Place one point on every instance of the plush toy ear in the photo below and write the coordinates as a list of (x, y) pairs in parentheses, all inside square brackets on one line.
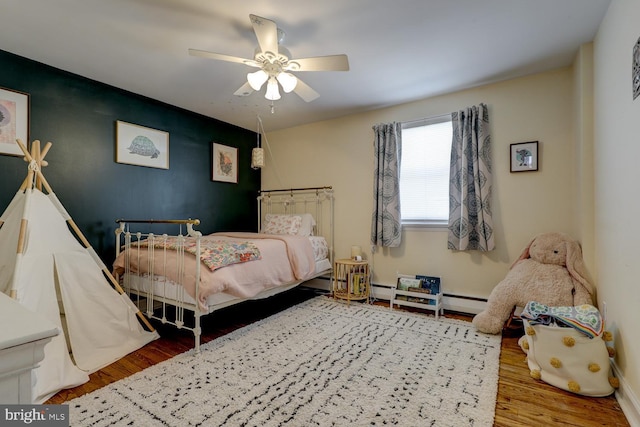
[(576, 267), (524, 254)]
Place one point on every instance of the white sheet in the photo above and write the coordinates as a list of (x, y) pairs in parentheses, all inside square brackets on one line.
[(165, 288)]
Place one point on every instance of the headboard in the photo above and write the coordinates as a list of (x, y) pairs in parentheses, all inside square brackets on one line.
[(317, 201)]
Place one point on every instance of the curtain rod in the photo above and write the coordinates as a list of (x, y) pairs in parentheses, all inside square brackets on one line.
[(295, 189), (441, 116)]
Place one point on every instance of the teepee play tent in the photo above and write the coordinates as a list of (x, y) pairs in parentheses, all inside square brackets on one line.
[(48, 266)]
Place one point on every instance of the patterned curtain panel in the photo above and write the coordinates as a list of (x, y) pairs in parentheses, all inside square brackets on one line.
[(385, 223), (470, 223)]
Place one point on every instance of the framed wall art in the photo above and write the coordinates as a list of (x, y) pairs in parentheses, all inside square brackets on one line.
[(141, 146), (14, 121), (524, 156), (224, 163)]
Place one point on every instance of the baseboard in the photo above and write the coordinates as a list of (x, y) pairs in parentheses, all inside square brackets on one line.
[(451, 302), (627, 400)]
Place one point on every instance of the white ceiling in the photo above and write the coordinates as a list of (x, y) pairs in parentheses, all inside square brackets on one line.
[(398, 51)]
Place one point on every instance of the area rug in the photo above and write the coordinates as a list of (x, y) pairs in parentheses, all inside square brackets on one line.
[(319, 363)]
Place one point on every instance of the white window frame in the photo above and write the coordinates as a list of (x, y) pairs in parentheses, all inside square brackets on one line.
[(427, 224)]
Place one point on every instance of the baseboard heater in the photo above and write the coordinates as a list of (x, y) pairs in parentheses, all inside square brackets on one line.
[(452, 302)]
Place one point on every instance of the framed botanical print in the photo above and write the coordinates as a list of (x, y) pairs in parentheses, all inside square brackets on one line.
[(224, 163)]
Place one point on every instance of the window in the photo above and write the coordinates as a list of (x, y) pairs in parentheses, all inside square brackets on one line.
[(424, 171)]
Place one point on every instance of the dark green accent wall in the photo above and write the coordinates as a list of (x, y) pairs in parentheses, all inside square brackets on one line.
[(79, 115)]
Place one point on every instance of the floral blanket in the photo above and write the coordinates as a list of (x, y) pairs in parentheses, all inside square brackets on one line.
[(584, 318), (214, 253)]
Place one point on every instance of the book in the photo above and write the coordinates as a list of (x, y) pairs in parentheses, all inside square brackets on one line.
[(355, 283), (421, 291), (404, 283), (432, 284)]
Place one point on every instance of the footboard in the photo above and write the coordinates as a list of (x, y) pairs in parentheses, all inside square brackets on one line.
[(151, 270)]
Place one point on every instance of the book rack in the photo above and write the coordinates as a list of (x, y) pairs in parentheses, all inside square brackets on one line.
[(418, 291)]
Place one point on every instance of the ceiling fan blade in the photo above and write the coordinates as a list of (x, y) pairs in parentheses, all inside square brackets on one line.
[(266, 33), (319, 63), (221, 57), (245, 90), (305, 92)]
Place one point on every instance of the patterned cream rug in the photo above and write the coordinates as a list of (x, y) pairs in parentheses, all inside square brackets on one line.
[(319, 363)]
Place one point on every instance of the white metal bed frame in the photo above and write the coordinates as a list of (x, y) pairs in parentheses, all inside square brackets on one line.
[(318, 201)]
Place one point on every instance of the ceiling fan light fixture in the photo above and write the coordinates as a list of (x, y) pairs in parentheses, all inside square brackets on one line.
[(275, 64), (288, 81), (257, 79), (273, 93)]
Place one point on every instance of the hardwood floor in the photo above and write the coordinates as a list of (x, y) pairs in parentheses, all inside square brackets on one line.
[(521, 401)]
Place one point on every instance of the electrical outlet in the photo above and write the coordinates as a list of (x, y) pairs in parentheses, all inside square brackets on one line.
[(604, 311)]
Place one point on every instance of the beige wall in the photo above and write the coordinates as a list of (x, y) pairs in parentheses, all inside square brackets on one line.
[(583, 115), (617, 176), (340, 153)]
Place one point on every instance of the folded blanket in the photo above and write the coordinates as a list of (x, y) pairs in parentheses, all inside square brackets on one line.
[(214, 253), (584, 318), (299, 250)]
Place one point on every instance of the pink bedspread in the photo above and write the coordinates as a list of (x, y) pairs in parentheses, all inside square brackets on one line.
[(285, 259)]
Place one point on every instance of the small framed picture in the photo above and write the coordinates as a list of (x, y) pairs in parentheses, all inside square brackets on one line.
[(141, 146), (224, 163), (524, 156), (14, 121)]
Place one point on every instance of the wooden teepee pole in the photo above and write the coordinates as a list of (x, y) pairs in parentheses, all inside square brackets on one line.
[(24, 222), (38, 156)]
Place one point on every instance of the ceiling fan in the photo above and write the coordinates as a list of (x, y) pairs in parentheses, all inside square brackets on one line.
[(275, 64)]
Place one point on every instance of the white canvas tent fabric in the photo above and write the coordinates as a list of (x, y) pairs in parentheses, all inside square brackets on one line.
[(56, 274)]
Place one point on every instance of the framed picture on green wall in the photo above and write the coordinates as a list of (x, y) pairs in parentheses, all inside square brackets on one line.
[(224, 163), (14, 121), (141, 146)]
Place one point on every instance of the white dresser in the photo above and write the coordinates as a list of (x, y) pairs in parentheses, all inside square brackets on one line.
[(23, 335)]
